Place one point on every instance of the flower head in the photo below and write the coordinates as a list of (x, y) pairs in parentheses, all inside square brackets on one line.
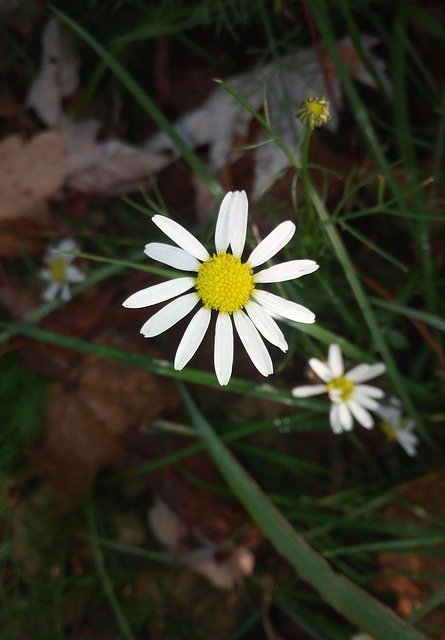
[(225, 284), (350, 399), (59, 272), (314, 112), (397, 428)]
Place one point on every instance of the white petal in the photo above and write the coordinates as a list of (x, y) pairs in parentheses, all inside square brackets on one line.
[(73, 274), (181, 236), (45, 274), (408, 441), (51, 292), (364, 372), (159, 293), (169, 315), (345, 417), (253, 343), (321, 369), (65, 293), (272, 243), (223, 356), (286, 271), (361, 414), (173, 256), (334, 419), (266, 325), (368, 390), (306, 391), (284, 308), (364, 400), (223, 222), (239, 223), (335, 360), (192, 338), (68, 245)]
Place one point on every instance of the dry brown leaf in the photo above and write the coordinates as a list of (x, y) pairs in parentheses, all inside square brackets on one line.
[(30, 173), (58, 76), (87, 418), (223, 565), (426, 493)]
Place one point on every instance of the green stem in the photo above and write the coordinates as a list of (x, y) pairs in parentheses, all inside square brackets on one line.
[(305, 176), (103, 575)]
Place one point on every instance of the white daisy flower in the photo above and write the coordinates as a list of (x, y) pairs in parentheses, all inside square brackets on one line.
[(349, 398), (60, 273), (224, 283), (397, 428)]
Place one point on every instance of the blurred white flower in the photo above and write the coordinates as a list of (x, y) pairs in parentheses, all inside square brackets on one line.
[(361, 636), (398, 428), (59, 272), (225, 284), (349, 398)]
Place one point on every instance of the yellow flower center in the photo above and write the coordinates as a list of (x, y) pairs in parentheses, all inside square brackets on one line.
[(224, 283), (388, 429), (340, 389), (58, 269), (315, 107)]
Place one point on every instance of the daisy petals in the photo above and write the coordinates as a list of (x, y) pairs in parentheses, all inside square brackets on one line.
[(272, 243), (253, 343), (335, 360), (364, 372), (305, 391), (321, 369), (286, 271), (223, 222), (361, 414), (51, 291), (223, 356), (169, 315), (192, 338), (181, 236), (238, 215), (158, 293), (74, 275), (173, 256), (334, 419), (345, 417), (285, 308), (266, 325), (368, 390)]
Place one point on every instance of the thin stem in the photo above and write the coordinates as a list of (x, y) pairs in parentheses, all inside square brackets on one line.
[(107, 585)]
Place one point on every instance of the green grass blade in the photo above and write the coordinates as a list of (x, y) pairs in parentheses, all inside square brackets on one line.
[(341, 594)]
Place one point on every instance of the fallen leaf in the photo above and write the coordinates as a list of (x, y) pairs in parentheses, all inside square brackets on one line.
[(30, 173), (223, 565), (422, 495), (58, 76), (222, 119), (87, 417)]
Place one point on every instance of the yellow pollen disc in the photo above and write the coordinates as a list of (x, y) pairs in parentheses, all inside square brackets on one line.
[(388, 429), (315, 107), (340, 389), (58, 269), (224, 283)]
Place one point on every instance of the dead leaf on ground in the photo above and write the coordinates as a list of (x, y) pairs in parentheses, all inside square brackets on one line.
[(87, 418), (223, 565), (30, 173), (425, 494), (58, 76)]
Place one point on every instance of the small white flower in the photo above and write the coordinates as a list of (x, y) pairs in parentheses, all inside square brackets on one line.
[(398, 428), (223, 283), (349, 398), (60, 273)]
